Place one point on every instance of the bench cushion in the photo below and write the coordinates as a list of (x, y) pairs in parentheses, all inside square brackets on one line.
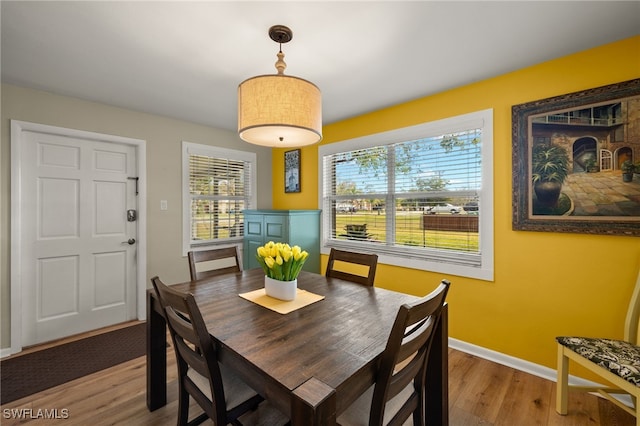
[(620, 357)]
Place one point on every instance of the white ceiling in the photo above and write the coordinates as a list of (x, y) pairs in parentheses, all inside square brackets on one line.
[(186, 59)]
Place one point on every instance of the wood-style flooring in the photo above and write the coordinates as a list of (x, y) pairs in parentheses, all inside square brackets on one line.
[(480, 393)]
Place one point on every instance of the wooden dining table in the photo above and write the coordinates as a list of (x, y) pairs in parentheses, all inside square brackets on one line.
[(311, 363)]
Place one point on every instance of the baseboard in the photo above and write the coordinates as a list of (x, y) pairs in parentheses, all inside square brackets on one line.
[(525, 366), (5, 352), (513, 362)]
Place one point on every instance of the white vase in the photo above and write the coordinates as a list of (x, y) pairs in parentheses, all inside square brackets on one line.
[(283, 290)]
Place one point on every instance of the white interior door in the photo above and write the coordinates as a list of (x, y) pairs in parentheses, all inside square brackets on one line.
[(78, 250)]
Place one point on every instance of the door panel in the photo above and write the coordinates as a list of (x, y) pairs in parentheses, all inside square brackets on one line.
[(106, 293), (57, 287), (275, 227), (111, 201), (58, 208)]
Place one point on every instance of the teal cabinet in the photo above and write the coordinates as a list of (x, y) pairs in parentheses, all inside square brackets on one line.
[(295, 227)]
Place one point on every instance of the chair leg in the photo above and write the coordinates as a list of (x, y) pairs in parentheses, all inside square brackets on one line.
[(183, 407), (562, 385), (418, 419), (420, 412)]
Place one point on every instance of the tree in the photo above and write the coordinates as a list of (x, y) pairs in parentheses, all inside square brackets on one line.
[(347, 188), (449, 142), (432, 183)]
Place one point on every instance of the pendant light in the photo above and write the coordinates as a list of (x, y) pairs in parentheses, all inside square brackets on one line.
[(278, 110)]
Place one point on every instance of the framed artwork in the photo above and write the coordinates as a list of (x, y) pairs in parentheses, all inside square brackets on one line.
[(576, 162), (292, 171)]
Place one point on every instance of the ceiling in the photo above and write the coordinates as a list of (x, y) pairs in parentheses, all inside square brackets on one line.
[(186, 59)]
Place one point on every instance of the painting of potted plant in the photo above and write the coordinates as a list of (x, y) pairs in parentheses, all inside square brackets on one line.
[(627, 168), (550, 167), (591, 165)]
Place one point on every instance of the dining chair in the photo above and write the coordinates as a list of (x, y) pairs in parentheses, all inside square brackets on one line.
[(399, 388), (617, 362), (222, 395), (209, 263), (368, 260)]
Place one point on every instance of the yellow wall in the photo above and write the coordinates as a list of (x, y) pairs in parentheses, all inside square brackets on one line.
[(546, 284)]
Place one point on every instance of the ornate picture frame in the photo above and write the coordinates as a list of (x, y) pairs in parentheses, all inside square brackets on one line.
[(571, 157), (292, 171)]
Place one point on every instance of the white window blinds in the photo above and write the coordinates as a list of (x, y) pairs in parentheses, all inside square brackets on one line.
[(219, 189)]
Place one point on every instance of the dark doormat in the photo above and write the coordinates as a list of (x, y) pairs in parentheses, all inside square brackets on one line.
[(27, 374)]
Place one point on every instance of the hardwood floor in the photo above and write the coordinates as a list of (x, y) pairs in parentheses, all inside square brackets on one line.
[(485, 393), (480, 393)]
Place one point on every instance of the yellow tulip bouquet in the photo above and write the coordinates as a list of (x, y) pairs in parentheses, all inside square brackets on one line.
[(280, 261)]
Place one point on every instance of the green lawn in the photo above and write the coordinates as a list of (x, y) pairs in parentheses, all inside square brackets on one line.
[(205, 228), (408, 231)]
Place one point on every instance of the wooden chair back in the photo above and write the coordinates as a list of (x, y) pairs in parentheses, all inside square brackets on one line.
[(207, 263), (633, 315), (404, 359), (194, 349), (368, 260)]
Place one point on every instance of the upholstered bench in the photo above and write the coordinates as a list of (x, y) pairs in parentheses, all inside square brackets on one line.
[(617, 356)]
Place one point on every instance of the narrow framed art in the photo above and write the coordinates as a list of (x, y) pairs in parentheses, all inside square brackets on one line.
[(576, 162), (292, 171)]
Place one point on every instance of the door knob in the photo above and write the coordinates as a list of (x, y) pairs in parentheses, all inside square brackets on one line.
[(130, 241)]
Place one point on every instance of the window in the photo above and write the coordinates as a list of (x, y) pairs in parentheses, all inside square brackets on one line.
[(419, 197), (217, 185)]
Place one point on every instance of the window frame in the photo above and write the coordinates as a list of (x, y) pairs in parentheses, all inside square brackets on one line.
[(190, 148), (418, 259)]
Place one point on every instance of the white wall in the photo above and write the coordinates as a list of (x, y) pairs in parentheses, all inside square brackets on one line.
[(164, 137)]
